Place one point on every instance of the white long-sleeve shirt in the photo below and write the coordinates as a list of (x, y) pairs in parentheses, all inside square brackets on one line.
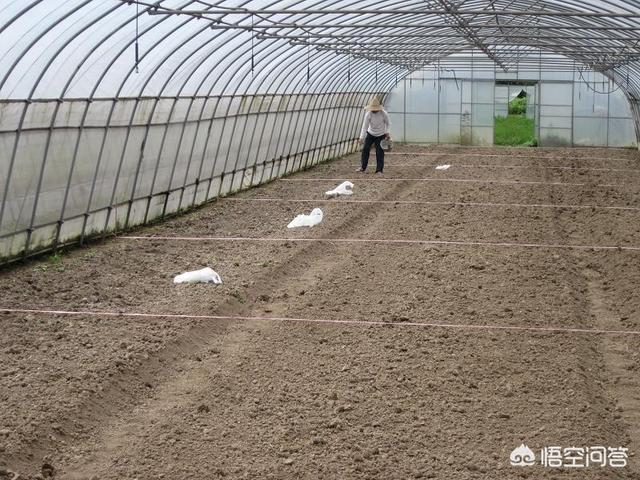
[(375, 123)]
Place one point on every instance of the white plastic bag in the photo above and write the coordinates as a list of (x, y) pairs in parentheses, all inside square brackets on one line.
[(205, 275), (345, 188), (443, 167), (314, 218)]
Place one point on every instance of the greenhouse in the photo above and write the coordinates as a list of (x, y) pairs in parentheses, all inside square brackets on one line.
[(319, 239)]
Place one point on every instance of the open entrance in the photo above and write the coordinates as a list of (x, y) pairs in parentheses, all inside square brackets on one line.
[(515, 113)]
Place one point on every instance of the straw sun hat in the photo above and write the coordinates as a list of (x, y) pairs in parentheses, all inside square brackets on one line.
[(374, 105)]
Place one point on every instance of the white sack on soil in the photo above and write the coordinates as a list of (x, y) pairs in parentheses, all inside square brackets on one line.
[(314, 218), (206, 275), (443, 167), (345, 188)]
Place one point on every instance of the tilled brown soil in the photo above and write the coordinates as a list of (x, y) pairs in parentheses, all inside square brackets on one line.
[(270, 394)]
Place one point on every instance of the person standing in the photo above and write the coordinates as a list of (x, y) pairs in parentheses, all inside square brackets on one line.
[(375, 128)]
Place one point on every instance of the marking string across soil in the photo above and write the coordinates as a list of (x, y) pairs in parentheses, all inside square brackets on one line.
[(381, 241), (539, 156), (456, 165), (458, 326), (418, 202), (461, 180)]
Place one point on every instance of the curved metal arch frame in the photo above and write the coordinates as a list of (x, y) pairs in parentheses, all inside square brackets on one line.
[(54, 116), (563, 5), (331, 85), (568, 23), (233, 130), (153, 182), (27, 103)]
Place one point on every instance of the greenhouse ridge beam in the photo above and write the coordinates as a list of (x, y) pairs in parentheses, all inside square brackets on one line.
[(524, 48), (521, 47), (426, 11), (368, 26), (344, 44), (337, 36), (462, 25), (410, 51)]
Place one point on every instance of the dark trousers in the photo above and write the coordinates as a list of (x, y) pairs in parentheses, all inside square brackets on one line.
[(368, 141)]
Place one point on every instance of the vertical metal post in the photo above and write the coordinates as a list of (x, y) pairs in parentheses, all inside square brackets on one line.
[(573, 101), (404, 110), (439, 96), (608, 113)]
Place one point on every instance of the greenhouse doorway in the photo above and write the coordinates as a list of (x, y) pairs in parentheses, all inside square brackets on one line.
[(515, 113)]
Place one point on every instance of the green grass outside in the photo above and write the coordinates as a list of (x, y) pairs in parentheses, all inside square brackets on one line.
[(518, 106), (514, 130)]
